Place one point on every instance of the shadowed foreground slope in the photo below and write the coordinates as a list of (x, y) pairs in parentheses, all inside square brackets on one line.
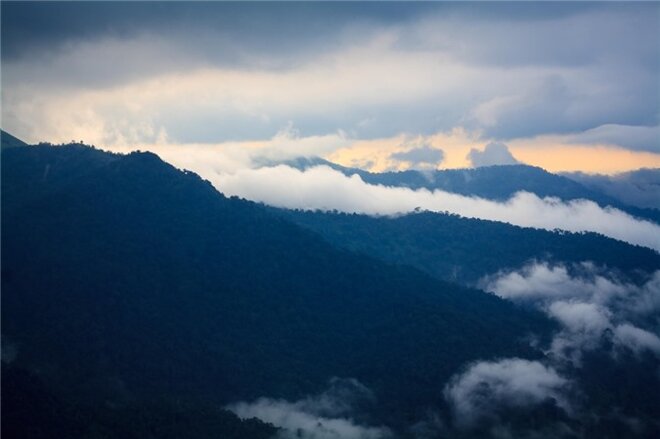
[(125, 279)]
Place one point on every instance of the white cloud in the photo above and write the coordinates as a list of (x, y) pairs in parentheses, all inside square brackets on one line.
[(637, 339), (589, 304), (488, 387), (580, 317), (323, 416), (540, 282), (326, 189)]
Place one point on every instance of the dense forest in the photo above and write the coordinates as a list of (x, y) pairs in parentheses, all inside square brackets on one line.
[(450, 247), (125, 279), (138, 301)]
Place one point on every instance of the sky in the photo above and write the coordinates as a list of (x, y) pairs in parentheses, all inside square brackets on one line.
[(566, 86)]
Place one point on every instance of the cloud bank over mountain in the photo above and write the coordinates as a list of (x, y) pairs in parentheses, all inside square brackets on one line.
[(492, 154), (190, 74), (322, 188)]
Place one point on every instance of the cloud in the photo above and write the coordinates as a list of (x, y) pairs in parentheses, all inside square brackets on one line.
[(640, 138), (424, 157), (639, 188), (595, 310), (591, 306), (492, 154), (323, 416), (580, 317), (637, 339), (323, 188), (487, 388), (541, 282), (502, 71)]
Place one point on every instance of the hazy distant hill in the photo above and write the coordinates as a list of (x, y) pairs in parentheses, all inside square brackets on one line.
[(129, 279), (639, 188), (491, 182)]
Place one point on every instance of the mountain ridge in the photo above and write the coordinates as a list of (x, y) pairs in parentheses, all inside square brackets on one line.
[(499, 183), (223, 288)]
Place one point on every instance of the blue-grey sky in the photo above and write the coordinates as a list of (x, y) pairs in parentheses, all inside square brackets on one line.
[(528, 75)]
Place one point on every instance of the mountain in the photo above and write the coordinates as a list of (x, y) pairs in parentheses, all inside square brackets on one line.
[(126, 280), (450, 247), (9, 141), (491, 182), (639, 188), (31, 410)]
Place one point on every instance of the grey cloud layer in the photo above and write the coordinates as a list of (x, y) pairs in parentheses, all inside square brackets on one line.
[(492, 154), (423, 157), (641, 138), (508, 71)]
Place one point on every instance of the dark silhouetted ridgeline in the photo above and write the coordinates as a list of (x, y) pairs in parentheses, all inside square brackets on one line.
[(125, 279)]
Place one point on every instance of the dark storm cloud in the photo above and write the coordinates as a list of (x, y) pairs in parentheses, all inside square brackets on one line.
[(44, 25), (501, 69), (264, 27), (282, 28)]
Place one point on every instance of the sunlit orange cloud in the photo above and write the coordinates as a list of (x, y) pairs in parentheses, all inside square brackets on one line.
[(601, 159), (374, 154), (553, 156)]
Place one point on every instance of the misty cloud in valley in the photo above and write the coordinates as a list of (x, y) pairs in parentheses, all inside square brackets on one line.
[(322, 188), (590, 304), (328, 415)]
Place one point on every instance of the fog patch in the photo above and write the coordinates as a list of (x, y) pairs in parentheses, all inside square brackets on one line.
[(591, 305), (637, 339), (487, 389), (323, 188), (328, 415)]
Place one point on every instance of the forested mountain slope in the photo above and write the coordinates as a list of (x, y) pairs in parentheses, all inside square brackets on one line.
[(464, 249), (125, 279)]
